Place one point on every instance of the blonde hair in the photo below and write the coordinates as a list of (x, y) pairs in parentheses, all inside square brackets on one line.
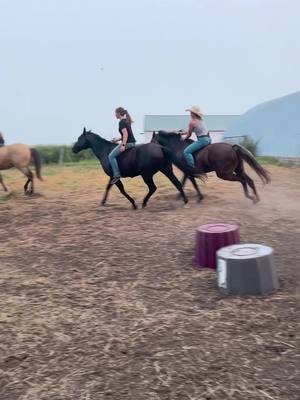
[(196, 115)]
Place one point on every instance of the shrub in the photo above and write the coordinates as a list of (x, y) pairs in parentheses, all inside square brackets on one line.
[(251, 145), (51, 154)]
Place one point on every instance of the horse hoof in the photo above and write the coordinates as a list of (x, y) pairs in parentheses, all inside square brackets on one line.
[(134, 207)]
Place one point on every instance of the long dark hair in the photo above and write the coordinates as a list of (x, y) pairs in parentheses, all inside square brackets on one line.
[(124, 112)]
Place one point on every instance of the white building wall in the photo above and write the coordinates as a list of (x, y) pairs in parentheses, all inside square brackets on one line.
[(216, 136)]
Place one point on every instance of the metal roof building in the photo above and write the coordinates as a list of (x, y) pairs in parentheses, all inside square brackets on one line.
[(177, 122), (216, 124)]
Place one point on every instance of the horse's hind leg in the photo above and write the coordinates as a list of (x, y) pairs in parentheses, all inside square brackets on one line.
[(193, 180), (170, 174), (230, 176), (120, 186), (26, 171), (3, 184), (252, 185), (152, 188), (246, 180)]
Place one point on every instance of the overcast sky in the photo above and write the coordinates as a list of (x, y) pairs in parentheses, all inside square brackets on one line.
[(69, 63)]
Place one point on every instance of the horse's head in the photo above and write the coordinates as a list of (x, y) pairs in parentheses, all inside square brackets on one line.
[(82, 142)]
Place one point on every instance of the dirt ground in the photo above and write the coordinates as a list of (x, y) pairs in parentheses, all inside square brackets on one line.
[(105, 303)]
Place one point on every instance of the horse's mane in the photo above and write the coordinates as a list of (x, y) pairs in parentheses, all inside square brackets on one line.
[(169, 135), (174, 137), (98, 137), (166, 133)]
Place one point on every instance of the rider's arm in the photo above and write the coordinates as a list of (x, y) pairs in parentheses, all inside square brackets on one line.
[(189, 132), (125, 136)]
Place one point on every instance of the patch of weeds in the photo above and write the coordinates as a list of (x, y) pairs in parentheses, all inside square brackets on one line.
[(7, 197)]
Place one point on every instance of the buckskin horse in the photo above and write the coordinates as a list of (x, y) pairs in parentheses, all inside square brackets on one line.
[(20, 156), (225, 159), (145, 160)]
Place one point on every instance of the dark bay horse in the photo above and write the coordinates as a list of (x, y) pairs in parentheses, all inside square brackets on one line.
[(145, 160), (20, 156), (225, 159)]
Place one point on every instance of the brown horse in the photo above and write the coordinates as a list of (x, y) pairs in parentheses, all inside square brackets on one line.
[(225, 159), (19, 156)]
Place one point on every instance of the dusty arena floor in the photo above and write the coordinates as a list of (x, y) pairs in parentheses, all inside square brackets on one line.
[(104, 303)]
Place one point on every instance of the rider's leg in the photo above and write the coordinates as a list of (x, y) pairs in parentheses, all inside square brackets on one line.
[(129, 146), (189, 150), (113, 161)]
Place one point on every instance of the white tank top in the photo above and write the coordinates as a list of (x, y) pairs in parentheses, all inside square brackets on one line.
[(200, 129)]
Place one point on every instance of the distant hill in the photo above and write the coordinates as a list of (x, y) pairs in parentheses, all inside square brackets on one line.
[(275, 123)]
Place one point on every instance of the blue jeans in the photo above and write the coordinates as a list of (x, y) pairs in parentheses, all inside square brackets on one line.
[(113, 158), (201, 142)]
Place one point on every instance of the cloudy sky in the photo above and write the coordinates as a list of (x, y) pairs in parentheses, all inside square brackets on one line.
[(69, 63)]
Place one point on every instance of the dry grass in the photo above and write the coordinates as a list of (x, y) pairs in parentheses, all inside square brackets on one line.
[(104, 303)]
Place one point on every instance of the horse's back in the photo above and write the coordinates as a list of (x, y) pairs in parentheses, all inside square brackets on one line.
[(215, 156), (15, 155), (141, 159)]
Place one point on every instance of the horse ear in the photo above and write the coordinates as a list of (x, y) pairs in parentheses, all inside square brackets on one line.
[(84, 130), (153, 135)]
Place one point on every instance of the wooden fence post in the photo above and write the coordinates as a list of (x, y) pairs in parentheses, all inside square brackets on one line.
[(61, 156)]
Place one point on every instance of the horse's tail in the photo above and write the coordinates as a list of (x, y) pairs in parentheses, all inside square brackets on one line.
[(184, 167), (35, 155), (249, 158)]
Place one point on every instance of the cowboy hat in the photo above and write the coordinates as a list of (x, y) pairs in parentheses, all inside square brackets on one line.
[(195, 110)]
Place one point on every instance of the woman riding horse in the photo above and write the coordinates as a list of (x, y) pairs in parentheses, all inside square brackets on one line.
[(144, 160), (225, 159), (127, 139), (198, 126)]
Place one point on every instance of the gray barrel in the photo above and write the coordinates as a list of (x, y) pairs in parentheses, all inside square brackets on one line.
[(246, 269)]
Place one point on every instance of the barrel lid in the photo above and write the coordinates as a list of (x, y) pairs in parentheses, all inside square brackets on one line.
[(244, 251), (218, 227)]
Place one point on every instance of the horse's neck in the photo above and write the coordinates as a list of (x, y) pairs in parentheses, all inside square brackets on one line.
[(100, 147), (175, 145)]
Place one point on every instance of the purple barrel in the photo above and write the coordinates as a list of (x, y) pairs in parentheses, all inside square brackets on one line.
[(210, 238)]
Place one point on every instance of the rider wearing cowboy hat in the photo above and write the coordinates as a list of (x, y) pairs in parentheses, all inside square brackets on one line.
[(198, 126)]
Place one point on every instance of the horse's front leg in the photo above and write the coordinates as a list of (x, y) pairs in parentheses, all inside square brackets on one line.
[(193, 180), (120, 186), (108, 187), (184, 179), (170, 174), (200, 195)]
